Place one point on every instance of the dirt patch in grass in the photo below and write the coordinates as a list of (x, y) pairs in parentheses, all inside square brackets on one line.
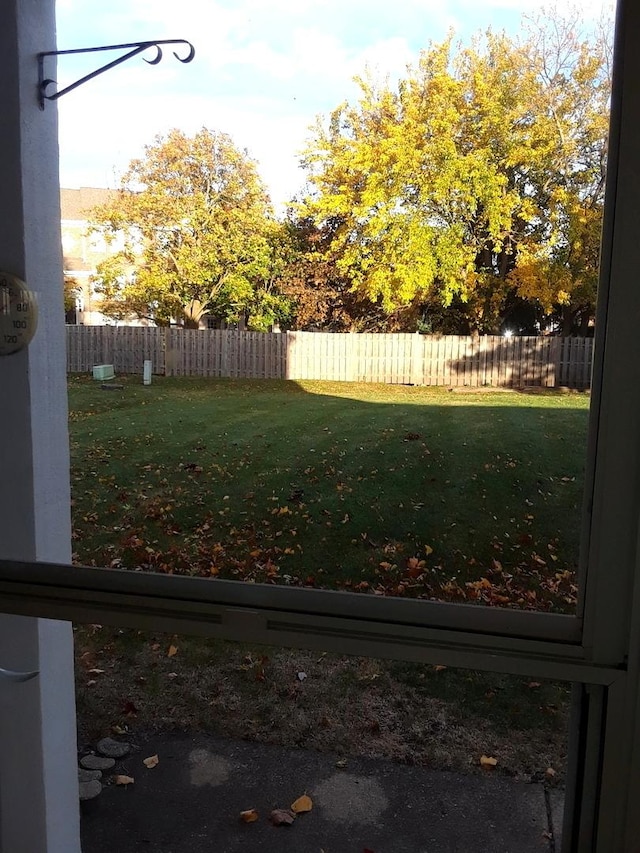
[(129, 681)]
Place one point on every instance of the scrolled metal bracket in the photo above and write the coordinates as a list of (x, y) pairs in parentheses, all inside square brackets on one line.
[(133, 49), (16, 677)]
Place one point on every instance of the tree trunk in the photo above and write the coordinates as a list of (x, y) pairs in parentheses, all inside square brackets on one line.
[(567, 321)]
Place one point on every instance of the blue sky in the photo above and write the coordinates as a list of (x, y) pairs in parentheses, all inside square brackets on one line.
[(264, 69)]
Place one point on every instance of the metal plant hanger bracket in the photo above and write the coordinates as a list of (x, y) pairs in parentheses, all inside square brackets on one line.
[(133, 49), (16, 677)]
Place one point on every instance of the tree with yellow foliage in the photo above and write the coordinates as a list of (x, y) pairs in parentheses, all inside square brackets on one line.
[(478, 179)]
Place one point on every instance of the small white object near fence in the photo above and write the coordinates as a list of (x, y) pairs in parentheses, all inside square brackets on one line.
[(103, 372), (146, 373)]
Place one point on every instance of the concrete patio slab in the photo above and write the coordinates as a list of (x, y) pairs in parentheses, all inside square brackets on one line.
[(191, 803)]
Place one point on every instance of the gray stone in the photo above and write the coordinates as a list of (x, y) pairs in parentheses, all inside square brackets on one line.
[(97, 762), (89, 790), (112, 748), (89, 775)]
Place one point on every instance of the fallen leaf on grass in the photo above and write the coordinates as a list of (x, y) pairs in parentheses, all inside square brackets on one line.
[(152, 761), (439, 668), (249, 815), (341, 763), (302, 804), (549, 772), (282, 817), (173, 650), (415, 567), (487, 761), (123, 780)]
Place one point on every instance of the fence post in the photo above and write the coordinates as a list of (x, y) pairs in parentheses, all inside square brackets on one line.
[(168, 361), (555, 357), (290, 355), (417, 352), (224, 353)]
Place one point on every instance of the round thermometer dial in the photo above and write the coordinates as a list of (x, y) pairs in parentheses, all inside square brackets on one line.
[(18, 314)]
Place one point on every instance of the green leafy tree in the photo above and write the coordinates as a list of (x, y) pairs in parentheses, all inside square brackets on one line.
[(193, 234)]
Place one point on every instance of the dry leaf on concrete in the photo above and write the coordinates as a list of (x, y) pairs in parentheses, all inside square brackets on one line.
[(150, 762), (123, 780), (282, 817), (302, 804), (249, 815)]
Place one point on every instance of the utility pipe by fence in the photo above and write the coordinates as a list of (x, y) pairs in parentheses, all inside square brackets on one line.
[(411, 359)]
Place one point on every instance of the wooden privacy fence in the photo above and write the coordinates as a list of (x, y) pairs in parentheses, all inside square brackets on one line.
[(411, 359), (177, 352), (450, 360)]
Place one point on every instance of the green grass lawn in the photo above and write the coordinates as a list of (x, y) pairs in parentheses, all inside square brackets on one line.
[(401, 490)]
